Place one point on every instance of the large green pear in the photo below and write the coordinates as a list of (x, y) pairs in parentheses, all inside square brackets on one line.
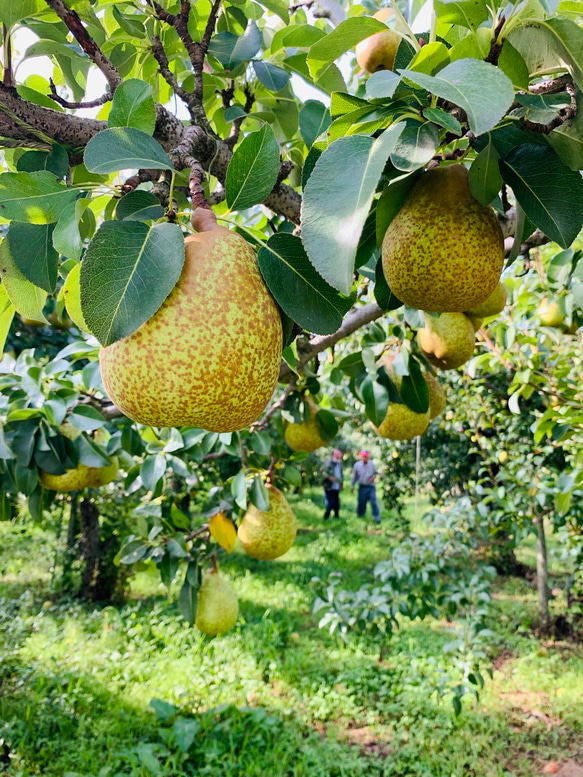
[(400, 422), (269, 534), (210, 356), (448, 340), (443, 251), (378, 51), (495, 303), (79, 478), (305, 436), (217, 606)]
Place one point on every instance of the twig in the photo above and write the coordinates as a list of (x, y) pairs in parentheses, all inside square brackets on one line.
[(233, 136), (7, 77), (164, 69), (73, 23), (143, 176), (204, 529), (74, 105)]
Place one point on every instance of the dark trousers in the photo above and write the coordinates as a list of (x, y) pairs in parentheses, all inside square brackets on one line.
[(368, 494), (332, 497)]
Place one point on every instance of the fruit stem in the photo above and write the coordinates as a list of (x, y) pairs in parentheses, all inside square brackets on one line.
[(271, 471), (203, 217), (214, 562)]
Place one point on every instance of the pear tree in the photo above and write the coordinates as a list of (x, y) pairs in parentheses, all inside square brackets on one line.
[(242, 195)]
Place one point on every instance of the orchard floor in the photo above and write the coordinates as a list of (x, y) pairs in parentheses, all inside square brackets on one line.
[(285, 698)]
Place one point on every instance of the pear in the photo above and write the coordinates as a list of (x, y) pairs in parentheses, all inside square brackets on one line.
[(217, 606), (79, 478), (400, 422), (448, 340), (270, 534), (495, 303), (210, 356), (71, 293), (475, 322), (378, 51), (437, 400), (443, 251), (551, 313), (305, 436)]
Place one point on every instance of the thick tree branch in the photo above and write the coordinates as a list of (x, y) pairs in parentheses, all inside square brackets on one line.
[(74, 24)]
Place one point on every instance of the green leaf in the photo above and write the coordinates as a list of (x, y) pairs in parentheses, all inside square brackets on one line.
[(86, 418), (130, 24), (31, 246), (272, 77), (66, 236), (179, 519), (484, 176), (37, 198), (431, 58), (6, 315), (465, 13), (376, 400), (314, 119), (121, 148), (550, 45), (187, 602), (133, 552), (253, 169), (327, 424), (416, 145), (133, 106), (56, 161), (152, 470), (139, 205), (231, 50), (382, 85), (13, 11), (337, 199), (27, 298), (549, 192), (184, 731), (90, 453), (483, 91), (123, 56), (342, 38), (128, 271), (298, 288), (513, 64), (567, 140), (259, 494), (443, 119), (414, 389), (277, 7), (239, 489), (382, 293)]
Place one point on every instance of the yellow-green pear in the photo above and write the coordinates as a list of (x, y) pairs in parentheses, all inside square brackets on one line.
[(495, 303), (32, 322), (437, 400), (378, 51), (448, 340), (551, 312), (400, 422), (270, 534), (475, 322), (71, 293), (217, 606), (305, 436), (443, 251), (79, 478), (210, 356)]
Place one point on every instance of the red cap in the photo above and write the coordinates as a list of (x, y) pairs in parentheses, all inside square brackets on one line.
[(363, 453)]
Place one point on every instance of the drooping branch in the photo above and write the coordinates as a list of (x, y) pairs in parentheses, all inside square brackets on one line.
[(89, 46), (54, 95)]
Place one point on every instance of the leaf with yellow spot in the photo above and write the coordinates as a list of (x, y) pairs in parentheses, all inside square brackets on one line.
[(223, 531)]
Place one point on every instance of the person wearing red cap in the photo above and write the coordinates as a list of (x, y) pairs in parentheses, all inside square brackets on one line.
[(364, 473)]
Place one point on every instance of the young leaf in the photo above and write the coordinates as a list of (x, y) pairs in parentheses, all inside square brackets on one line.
[(133, 106), (31, 246), (302, 293), (120, 148), (549, 192), (483, 91), (465, 13), (37, 198), (337, 199), (6, 316), (253, 169), (342, 38), (128, 271)]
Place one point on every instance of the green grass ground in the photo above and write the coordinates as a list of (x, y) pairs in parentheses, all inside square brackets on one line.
[(76, 680)]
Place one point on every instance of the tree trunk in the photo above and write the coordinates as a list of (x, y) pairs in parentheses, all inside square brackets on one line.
[(542, 574), (90, 544)]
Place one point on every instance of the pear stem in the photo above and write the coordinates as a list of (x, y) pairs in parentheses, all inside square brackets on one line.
[(203, 218), (214, 562)]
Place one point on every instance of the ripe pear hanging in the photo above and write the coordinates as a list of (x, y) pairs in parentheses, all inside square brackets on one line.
[(443, 251), (271, 533), (400, 422), (448, 340), (210, 356), (305, 436), (217, 606)]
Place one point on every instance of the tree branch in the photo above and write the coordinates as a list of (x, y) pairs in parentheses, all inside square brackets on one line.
[(164, 70), (66, 104), (73, 22)]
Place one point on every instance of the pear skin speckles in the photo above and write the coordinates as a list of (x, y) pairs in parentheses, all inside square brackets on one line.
[(268, 535), (443, 251), (493, 305), (79, 478), (210, 356), (448, 340)]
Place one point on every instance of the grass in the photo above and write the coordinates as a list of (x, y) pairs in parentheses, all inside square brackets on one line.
[(275, 696)]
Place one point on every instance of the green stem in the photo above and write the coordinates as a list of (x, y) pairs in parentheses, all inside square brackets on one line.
[(171, 195), (401, 18)]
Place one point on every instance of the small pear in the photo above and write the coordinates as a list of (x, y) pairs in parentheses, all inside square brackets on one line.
[(551, 313), (475, 322), (210, 356), (495, 303), (378, 51), (217, 606), (79, 478), (305, 436), (443, 251), (437, 400), (400, 422), (270, 534), (448, 340)]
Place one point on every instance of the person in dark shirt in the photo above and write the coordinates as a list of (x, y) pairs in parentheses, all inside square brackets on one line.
[(333, 484)]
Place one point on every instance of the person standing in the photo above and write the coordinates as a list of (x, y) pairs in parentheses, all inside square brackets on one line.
[(333, 484), (364, 473)]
